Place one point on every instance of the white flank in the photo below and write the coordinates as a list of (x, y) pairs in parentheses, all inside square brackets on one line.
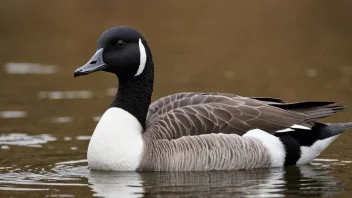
[(143, 58), (311, 152), (272, 143), (116, 144), (296, 126)]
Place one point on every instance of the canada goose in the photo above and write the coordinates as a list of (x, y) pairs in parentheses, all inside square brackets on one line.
[(195, 131)]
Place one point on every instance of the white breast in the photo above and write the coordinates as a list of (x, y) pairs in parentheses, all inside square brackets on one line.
[(116, 144)]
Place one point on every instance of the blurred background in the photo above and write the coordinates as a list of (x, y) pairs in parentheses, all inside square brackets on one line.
[(293, 50)]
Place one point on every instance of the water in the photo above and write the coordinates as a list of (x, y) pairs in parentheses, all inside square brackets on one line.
[(290, 50)]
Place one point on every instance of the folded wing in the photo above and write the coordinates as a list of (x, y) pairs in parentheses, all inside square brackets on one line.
[(189, 114)]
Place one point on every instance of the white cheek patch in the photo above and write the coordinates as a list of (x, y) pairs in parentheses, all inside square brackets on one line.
[(143, 58)]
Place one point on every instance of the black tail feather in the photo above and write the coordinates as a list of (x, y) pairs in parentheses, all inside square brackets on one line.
[(320, 135), (313, 110), (303, 105), (319, 131)]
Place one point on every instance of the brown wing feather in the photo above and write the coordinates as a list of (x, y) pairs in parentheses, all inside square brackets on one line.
[(158, 107), (186, 114), (314, 110)]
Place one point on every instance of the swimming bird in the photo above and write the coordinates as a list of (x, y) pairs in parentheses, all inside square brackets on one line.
[(195, 131)]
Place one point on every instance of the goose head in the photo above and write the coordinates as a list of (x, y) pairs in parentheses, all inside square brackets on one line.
[(122, 51)]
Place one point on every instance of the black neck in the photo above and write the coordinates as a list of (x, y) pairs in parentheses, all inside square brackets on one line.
[(134, 94)]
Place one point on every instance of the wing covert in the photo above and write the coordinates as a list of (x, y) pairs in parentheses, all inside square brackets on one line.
[(188, 114)]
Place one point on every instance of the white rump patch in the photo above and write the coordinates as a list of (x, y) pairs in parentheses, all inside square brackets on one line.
[(272, 143), (143, 58), (116, 144), (311, 152)]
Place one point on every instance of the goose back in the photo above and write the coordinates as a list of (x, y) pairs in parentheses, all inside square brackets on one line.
[(188, 114)]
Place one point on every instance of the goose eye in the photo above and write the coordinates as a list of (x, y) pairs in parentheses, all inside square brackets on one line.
[(120, 43)]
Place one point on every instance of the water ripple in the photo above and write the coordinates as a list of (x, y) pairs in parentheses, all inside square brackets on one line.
[(29, 68), (300, 181), (61, 119), (22, 139), (12, 114), (22, 189), (83, 137), (57, 95)]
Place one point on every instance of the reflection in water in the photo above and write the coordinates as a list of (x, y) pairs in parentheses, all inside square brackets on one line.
[(56, 95), (325, 160), (276, 182), (22, 139), (83, 137), (23, 189), (72, 162), (73, 148), (12, 114), (303, 181), (306, 181), (346, 162), (64, 180), (29, 68), (116, 184), (67, 138), (37, 178)]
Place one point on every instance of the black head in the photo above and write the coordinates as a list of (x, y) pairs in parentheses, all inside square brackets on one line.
[(122, 51)]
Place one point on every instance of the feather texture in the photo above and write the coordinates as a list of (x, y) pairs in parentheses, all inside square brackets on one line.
[(188, 114), (195, 113), (204, 152), (208, 131)]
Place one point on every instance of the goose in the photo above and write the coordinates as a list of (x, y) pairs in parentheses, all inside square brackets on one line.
[(195, 131)]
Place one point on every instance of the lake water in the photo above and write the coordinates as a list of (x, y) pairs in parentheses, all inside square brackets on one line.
[(296, 51)]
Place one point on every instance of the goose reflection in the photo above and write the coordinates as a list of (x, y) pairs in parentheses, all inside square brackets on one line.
[(277, 182)]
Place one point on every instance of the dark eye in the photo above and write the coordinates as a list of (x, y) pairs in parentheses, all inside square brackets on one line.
[(120, 43)]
